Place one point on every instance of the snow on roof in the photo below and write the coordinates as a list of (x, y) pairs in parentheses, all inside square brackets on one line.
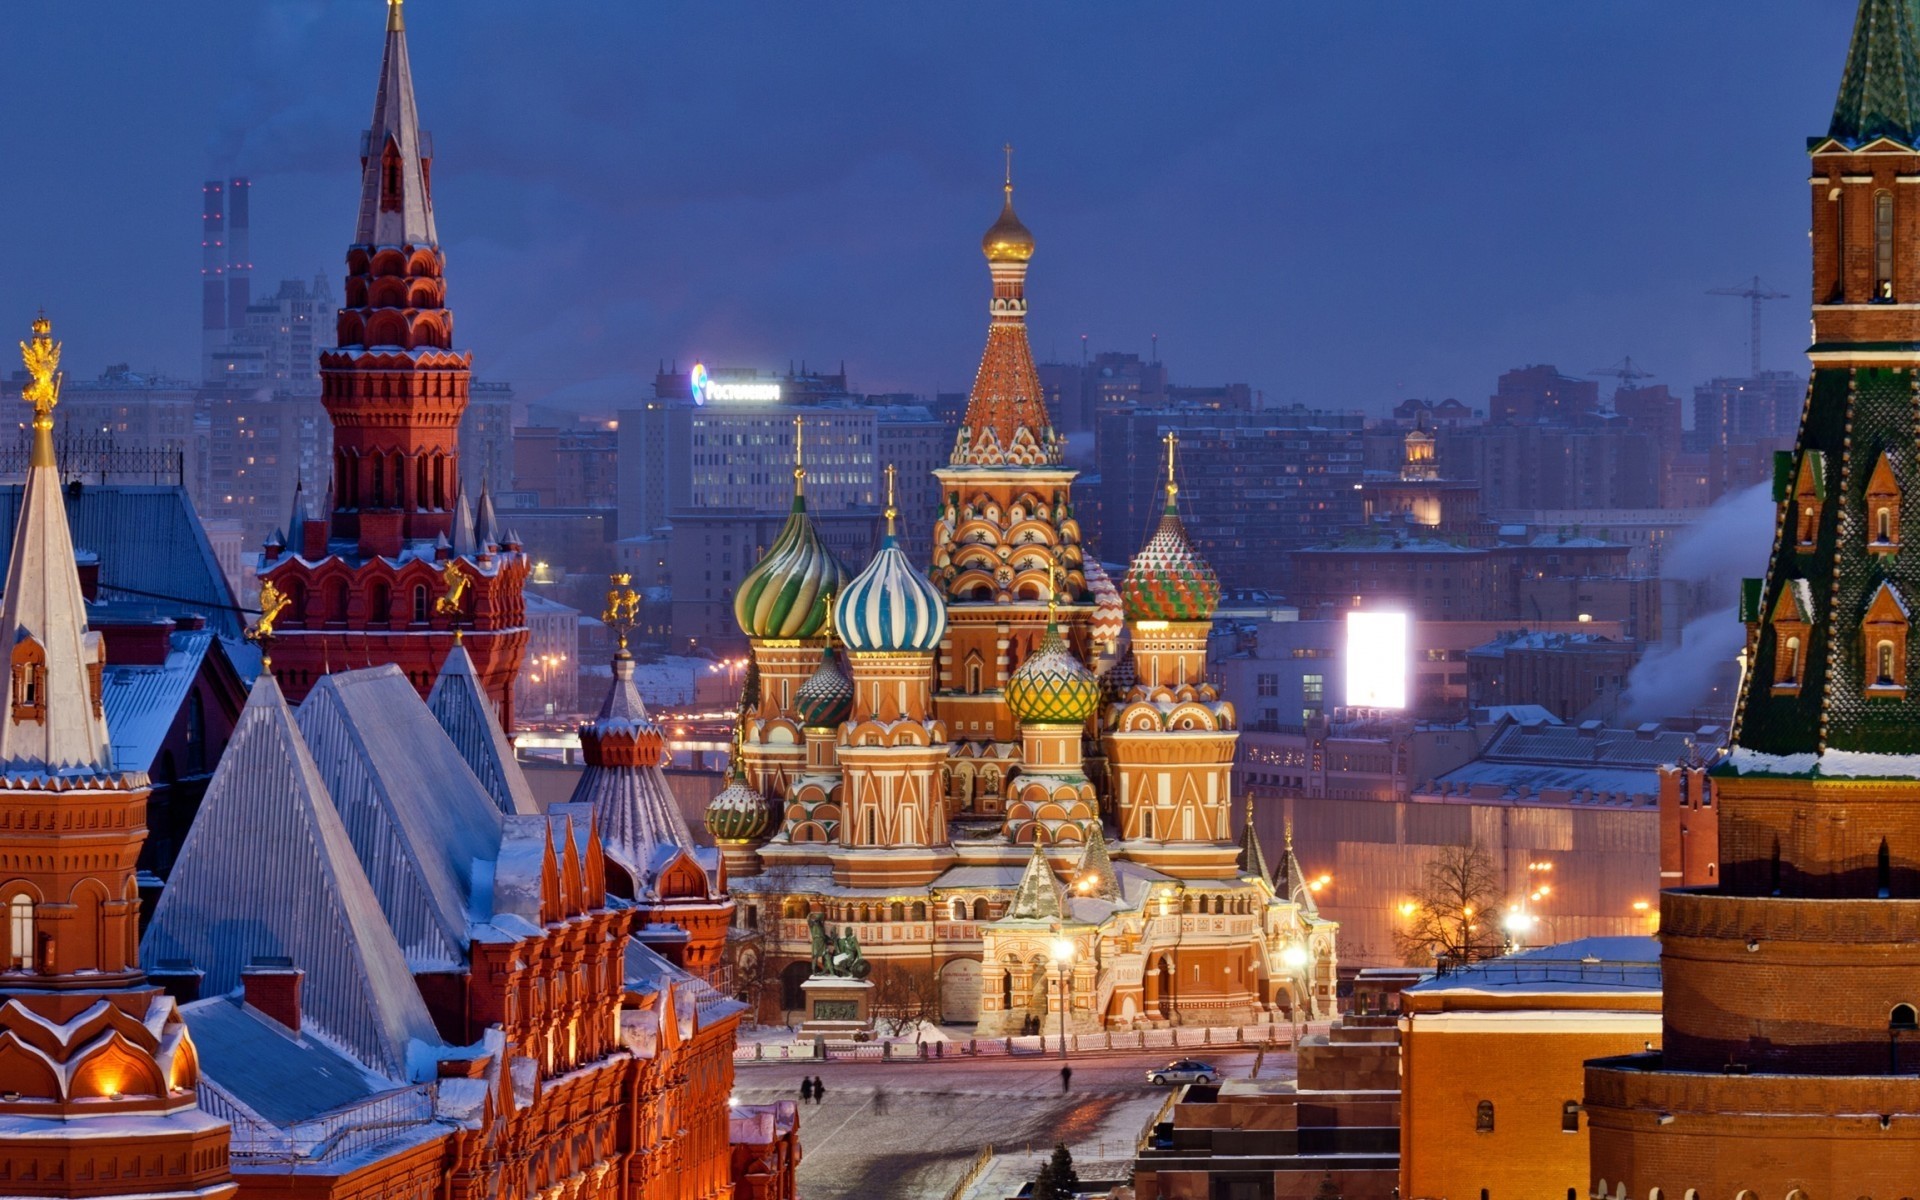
[(266, 831), (1830, 764), (467, 715), (1585, 966), (410, 803), (142, 700)]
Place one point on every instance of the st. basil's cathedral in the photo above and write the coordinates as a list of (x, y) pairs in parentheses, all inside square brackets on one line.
[(1019, 782)]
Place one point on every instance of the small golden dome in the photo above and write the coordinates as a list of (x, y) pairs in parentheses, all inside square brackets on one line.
[(1008, 240)]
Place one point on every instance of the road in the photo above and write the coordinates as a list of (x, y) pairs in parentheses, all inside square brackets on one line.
[(908, 1130)]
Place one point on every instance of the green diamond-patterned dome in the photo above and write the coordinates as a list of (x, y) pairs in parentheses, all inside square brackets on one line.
[(1053, 687), (738, 813), (1168, 580), (827, 696)]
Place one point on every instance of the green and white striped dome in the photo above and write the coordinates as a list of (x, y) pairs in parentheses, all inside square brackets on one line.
[(785, 596)]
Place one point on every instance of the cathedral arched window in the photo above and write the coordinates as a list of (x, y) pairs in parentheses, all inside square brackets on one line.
[(20, 933), (420, 609), (1883, 245), (1483, 1117), (379, 604)]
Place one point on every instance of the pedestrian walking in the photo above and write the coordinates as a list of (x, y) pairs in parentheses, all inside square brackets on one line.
[(1066, 1079), (819, 1090), (806, 1088)]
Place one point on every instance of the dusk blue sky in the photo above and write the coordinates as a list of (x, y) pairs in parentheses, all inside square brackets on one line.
[(1342, 203)]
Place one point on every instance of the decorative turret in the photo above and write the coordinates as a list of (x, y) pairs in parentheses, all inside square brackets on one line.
[(740, 817), (1168, 580), (1170, 739), (97, 1066), (393, 571), (891, 746), (785, 595), (1053, 696), (672, 880), (54, 723)]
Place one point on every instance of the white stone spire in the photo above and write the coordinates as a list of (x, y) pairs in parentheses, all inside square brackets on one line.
[(52, 720), (396, 204)]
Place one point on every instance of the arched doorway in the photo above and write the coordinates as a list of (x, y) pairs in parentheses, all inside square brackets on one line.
[(960, 992), (792, 997)]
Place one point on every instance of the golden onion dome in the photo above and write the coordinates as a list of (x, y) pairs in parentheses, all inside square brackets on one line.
[(1053, 687), (1008, 240)]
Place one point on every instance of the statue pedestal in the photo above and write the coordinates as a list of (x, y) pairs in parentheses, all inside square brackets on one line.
[(837, 1006)]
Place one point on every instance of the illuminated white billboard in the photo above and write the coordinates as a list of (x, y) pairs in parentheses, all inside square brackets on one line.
[(705, 387), (1376, 660)]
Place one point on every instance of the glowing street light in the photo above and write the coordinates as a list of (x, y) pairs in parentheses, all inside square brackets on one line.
[(1062, 955)]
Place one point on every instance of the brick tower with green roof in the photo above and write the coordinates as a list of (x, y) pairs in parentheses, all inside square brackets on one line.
[(1791, 1050)]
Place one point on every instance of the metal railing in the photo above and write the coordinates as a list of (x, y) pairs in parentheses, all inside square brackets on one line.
[(981, 1162)]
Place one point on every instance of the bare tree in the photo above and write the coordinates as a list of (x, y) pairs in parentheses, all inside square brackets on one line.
[(1455, 912), (904, 996)]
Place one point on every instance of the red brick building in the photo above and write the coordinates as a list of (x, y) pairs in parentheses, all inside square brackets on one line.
[(398, 566), (99, 1078), (1788, 1065)]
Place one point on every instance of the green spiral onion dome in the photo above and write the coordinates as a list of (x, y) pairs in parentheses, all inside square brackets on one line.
[(738, 813), (785, 596), (891, 607), (1168, 580), (1053, 687), (827, 696)]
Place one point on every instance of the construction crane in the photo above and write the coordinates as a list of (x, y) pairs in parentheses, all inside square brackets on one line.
[(1624, 370), (1757, 294), (1628, 375)]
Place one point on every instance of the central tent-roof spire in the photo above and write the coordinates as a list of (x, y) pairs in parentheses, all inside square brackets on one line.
[(1007, 423), (396, 159)]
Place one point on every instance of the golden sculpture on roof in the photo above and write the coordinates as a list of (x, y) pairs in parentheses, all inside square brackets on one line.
[(42, 359), (623, 607), (457, 583), (273, 602)]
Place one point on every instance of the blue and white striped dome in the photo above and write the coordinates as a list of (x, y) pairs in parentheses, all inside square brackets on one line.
[(890, 607)]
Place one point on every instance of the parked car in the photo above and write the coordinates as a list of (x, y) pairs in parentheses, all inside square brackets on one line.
[(1185, 1070)]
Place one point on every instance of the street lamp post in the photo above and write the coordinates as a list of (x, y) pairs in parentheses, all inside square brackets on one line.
[(1296, 957), (1062, 955)]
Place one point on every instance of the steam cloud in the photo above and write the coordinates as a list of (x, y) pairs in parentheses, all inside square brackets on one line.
[(1730, 543)]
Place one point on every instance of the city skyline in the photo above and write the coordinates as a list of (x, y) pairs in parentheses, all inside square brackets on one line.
[(754, 206)]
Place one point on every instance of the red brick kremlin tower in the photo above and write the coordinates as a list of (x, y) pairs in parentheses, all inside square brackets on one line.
[(97, 1073), (398, 569), (1791, 1049)]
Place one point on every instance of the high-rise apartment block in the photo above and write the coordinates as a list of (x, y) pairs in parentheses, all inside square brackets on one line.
[(1280, 479)]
